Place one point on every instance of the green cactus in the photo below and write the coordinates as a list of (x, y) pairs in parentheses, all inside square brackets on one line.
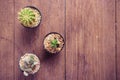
[(54, 43), (26, 16)]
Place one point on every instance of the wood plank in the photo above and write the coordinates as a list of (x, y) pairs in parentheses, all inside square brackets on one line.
[(23, 38), (6, 40), (30, 40), (118, 38), (90, 40)]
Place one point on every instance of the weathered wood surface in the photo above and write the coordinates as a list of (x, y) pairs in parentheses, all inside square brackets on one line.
[(90, 48), (117, 21), (90, 29), (7, 40)]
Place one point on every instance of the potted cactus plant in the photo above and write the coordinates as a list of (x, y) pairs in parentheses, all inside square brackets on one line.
[(53, 42), (29, 64), (29, 17)]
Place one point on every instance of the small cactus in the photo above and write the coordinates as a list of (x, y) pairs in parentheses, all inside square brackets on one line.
[(29, 17), (54, 43)]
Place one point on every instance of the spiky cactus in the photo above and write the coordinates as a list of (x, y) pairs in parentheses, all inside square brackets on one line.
[(29, 17)]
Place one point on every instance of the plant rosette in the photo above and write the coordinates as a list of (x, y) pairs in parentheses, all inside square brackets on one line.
[(29, 64), (53, 42), (29, 17)]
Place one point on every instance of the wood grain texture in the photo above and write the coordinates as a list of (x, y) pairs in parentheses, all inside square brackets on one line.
[(31, 40), (118, 38), (90, 40), (6, 40), (91, 31), (23, 38)]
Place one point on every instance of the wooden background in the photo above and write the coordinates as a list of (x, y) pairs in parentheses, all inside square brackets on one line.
[(91, 29)]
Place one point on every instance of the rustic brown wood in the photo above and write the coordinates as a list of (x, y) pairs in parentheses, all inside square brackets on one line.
[(118, 38), (6, 40), (91, 31), (22, 40), (31, 40), (90, 40)]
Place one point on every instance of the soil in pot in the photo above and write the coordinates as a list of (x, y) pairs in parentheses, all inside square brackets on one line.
[(53, 42)]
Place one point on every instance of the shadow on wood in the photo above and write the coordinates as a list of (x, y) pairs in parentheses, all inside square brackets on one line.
[(29, 35)]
